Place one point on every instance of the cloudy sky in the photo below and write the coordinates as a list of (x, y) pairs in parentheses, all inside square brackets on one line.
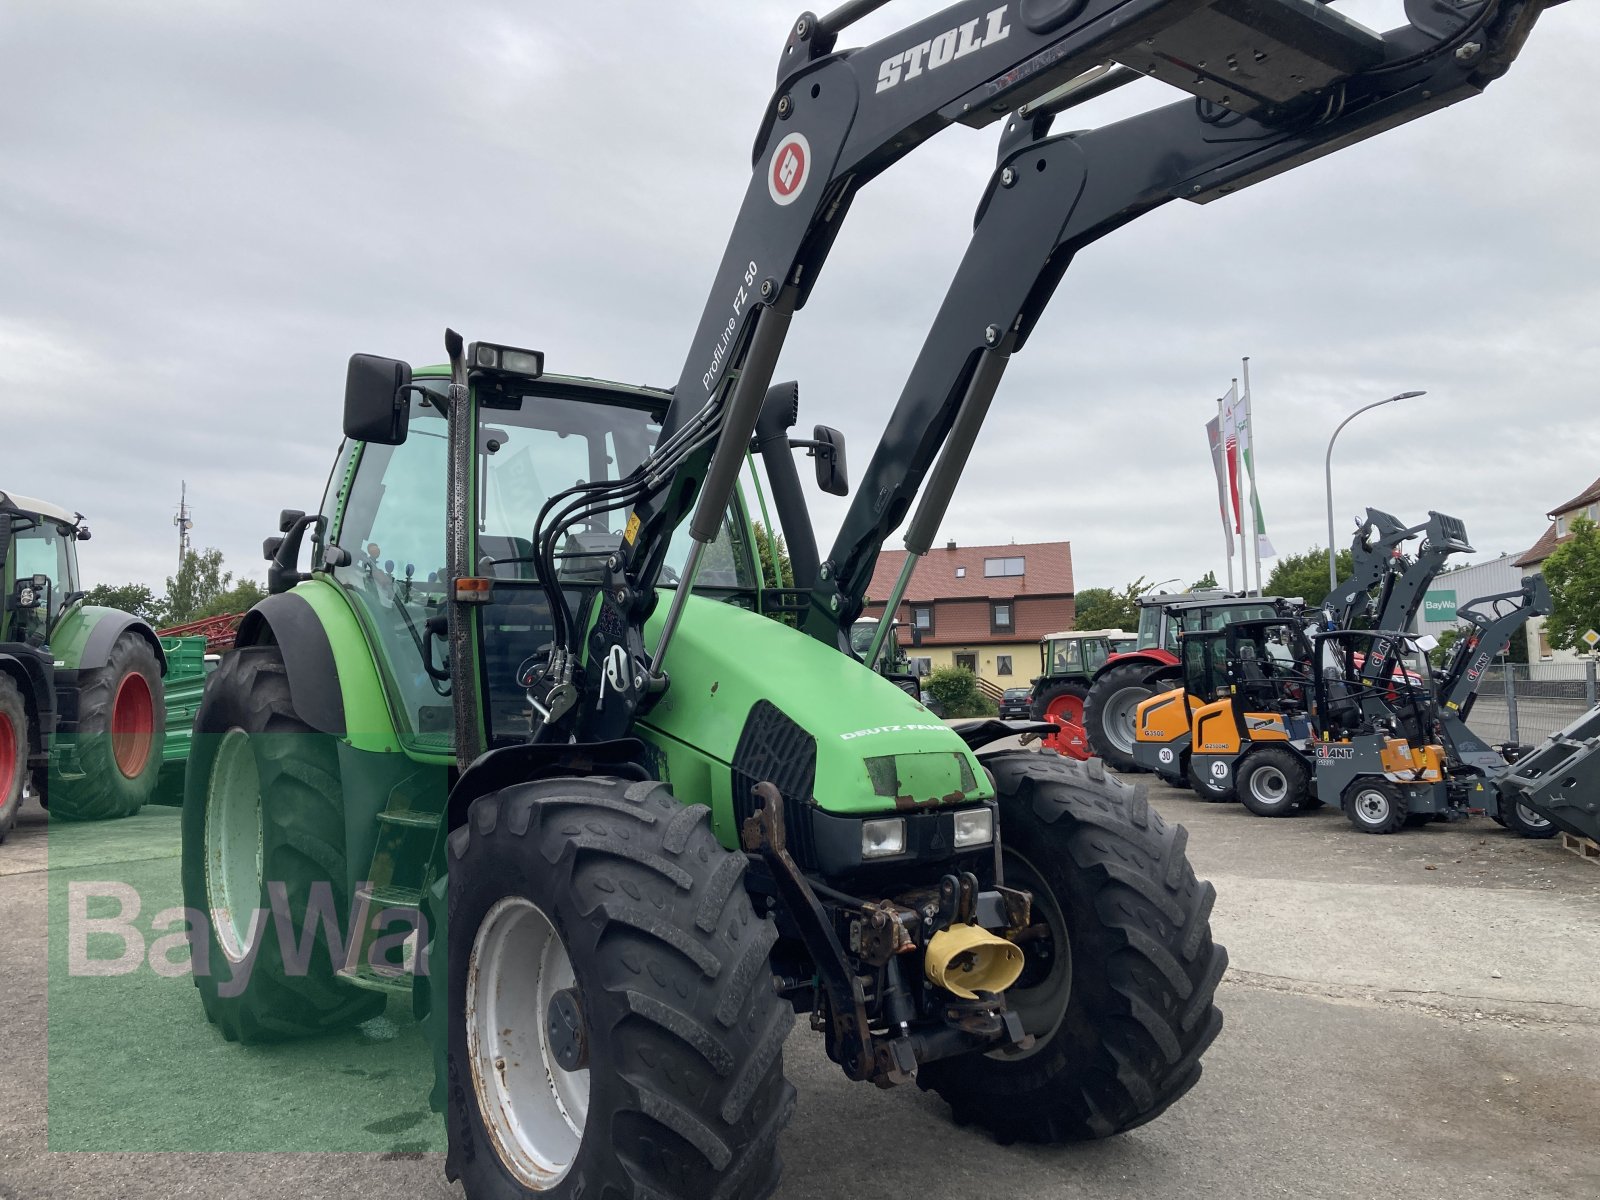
[(205, 208)]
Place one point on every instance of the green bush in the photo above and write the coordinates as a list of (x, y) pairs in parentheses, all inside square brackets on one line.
[(955, 691)]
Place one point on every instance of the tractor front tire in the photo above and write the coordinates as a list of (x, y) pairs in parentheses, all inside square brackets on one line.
[(1110, 709), (1273, 781), (15, 741), (1119, 996), (263, 856), (612, 1028), (1524, 822), (1374, 805), (121, 725)]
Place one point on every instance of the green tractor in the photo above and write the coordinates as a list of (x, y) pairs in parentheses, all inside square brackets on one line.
[(82, 713), (530, 743)]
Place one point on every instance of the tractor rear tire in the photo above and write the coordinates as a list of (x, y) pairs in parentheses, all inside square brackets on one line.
[(263, 813), (645, 1054), (15, 742), (1273, 782), (1524, 822), (122, 721), (1122, 1006), (1374, 806), (1109, 713), (1064, 700)]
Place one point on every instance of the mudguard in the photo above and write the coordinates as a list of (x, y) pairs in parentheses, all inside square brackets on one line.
[(289, 622)]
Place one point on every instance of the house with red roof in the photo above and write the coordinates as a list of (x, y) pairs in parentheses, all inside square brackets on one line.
[(980, 607), (1585, 504)]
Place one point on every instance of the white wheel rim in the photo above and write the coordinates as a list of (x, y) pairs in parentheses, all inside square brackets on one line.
[(1530, 818), (1122, 711), (534, 1109), (233, 845), (1373, 807), (1269, 785)]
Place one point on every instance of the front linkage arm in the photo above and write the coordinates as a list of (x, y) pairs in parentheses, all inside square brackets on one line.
[(1050, 196)]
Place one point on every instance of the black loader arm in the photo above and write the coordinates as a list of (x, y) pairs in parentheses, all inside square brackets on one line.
[(1050, 196), (836, 119), (1372, 551), (1402, 593), (1494, 619)]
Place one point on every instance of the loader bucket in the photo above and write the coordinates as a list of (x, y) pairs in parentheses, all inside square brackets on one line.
[(1560, 779)]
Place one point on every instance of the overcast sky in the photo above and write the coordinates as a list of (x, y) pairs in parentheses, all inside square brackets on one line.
[(207, 207)]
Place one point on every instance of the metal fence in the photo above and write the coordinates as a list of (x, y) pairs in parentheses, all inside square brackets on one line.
[(1526, 704)]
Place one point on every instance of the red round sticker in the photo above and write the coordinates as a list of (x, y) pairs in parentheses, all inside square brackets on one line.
[(791, 163)]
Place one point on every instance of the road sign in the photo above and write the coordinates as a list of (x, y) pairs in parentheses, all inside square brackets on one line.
[(1592, 638)]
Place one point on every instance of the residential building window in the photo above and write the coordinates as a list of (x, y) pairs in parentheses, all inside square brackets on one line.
[(1561, 526), (994, 567), (922, 618), (1000, 618), (1002, 664), (921, 667), (961, 572)]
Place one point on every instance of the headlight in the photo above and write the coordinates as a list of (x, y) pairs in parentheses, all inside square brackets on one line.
[(974, 828), (880, 839)]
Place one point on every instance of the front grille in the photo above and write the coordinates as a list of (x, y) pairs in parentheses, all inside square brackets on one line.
[(773, 749)]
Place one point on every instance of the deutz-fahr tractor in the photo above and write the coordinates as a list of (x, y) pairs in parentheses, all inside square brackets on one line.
[(527, 729), (81, 703)]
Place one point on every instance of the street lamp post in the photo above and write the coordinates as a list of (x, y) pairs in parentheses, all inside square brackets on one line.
[(1327, 470)]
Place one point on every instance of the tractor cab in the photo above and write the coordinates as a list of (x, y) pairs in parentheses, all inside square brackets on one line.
[(39, 542)]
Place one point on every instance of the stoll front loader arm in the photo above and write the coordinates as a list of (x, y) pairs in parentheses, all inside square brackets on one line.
[(835, 120), (1262, 107)]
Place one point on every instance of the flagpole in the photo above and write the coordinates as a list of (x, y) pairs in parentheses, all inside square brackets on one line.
[(1244, 557), (1255, 516), (1227, 535)]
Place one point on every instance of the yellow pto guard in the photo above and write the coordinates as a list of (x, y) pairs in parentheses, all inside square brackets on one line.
[(966, 960)]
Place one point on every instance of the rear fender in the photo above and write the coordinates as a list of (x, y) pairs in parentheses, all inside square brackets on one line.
[(1157, 661), (83, 639)]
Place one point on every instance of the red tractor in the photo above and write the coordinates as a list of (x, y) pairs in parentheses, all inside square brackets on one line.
[(1152, 665)]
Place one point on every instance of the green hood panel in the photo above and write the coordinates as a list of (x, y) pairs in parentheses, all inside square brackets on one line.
[(877, 749)]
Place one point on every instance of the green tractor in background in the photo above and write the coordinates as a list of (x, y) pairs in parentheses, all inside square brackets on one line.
[(82, 712)]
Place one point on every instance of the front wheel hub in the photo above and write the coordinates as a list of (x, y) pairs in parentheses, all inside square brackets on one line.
[(568, 1043)]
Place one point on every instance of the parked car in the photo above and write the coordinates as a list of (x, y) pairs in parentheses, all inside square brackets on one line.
[(1017, 702)]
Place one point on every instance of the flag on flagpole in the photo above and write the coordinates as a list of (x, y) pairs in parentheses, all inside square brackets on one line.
[(1214, 436), (1230, 444), (1247, 456)]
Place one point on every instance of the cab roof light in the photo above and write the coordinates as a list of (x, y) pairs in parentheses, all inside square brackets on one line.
[(504, 360)]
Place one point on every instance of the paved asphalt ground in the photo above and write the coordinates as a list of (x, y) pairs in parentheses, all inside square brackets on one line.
[(1411, 1016)]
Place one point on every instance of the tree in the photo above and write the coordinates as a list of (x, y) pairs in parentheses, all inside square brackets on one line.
[(955, 692), (1208, 580), (1109, 608), (1573, 573), (776, 570), (201, 588), (133, 598), (1306, 575)]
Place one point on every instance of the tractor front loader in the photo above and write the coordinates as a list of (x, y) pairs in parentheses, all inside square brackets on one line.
[(81, 701), (525, 739)]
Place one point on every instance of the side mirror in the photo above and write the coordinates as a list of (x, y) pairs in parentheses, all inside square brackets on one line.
[(83, 533), (376, 407), (832, 476)]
